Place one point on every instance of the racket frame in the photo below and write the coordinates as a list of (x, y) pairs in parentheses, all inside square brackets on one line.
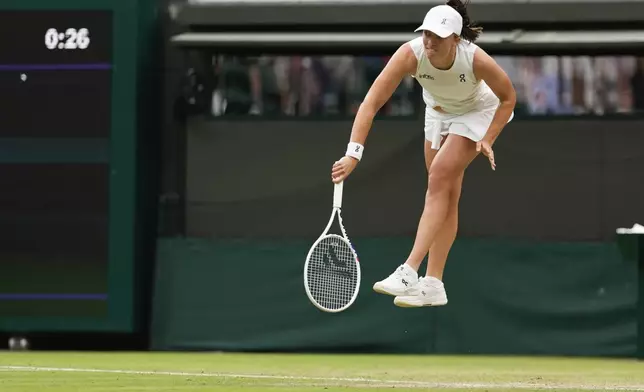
[(337, 210)]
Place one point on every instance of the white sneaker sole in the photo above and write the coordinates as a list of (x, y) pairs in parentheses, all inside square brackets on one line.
[(413, 302), (378, 287)]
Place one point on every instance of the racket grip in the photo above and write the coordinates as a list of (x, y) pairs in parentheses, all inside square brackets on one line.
[(337, 195)]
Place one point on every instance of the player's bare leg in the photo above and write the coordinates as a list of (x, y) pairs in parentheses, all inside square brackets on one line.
[(430, 291), (404, 279), (446, 169), (446, 236)]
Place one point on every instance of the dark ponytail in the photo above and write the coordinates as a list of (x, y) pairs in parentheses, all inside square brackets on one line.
[(470, 31)]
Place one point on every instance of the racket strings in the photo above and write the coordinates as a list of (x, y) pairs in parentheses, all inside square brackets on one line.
[(332, 273), (344, 232)]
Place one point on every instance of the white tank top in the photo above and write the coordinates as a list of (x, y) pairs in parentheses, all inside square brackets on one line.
[(455, 90)]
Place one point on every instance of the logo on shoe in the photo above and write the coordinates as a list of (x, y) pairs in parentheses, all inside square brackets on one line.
[(422, 292), (405, 282)]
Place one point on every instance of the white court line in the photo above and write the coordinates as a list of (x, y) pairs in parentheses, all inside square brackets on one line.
[(365, 382)]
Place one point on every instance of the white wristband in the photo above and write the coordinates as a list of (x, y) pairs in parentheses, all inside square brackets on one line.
[(355, 150)]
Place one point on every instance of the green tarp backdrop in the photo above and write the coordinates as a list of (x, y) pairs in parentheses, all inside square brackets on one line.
[(504, 297)]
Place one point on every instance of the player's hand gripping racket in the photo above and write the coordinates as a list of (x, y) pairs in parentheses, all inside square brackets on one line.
[(332, 271)]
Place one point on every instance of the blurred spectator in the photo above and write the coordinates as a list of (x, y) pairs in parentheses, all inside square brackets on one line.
[(637, 85), (335, 85)]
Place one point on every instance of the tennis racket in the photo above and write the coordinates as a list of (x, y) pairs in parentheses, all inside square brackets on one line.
[(332, 270)]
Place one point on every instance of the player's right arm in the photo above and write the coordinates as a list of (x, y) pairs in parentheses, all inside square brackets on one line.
[(401, 64)]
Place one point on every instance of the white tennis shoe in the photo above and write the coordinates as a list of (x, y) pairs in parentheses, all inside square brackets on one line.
[(428, 292), (401, 282)]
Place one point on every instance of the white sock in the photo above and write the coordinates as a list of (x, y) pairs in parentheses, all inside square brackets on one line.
[(409, 269), (434, 282)]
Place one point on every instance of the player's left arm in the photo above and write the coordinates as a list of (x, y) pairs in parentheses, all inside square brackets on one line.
[(486, 69)]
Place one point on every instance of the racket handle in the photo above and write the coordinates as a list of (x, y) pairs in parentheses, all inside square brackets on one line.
[(337, 195)]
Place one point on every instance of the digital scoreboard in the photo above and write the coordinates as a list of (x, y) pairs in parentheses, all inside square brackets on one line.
[(67, 165), (55, 82)]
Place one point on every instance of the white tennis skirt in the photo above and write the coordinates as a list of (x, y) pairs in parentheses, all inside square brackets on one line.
[(472, 125)]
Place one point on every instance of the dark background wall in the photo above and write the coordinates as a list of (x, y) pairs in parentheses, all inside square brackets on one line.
[(575, 178), (556, 179)]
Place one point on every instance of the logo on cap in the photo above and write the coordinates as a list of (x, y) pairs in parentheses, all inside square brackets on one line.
[(444, 21)]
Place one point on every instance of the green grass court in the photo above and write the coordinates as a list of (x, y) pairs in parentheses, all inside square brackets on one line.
[(92, 372)]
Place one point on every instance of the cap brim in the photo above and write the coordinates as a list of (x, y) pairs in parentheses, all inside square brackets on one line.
[(439, 30)]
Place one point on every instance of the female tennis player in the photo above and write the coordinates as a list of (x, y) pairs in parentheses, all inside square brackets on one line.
[(469, 99)]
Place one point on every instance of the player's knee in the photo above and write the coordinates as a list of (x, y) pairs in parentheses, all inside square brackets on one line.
[(441, 179)]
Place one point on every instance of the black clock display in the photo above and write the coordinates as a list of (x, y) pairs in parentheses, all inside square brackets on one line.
[(55, 124)]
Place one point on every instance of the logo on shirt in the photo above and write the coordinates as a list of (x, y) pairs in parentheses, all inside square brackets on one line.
[(426, 76), (462, 78)]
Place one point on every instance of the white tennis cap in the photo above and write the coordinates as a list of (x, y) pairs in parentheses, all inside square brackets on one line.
[(443, 21)]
